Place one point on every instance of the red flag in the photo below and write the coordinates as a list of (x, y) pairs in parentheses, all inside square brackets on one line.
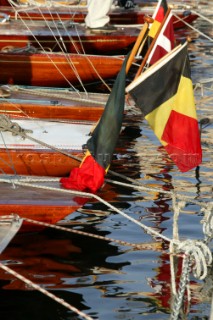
[(88, 177)]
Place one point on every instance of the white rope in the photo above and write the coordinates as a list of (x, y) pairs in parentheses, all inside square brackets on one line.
[(66, 56), (64, 50), (199, 253), (184, 280), (177, 206), (91, 195), (202, 85), (208, 222), (202, 16), (193, 28), (138, 186), (196, 256), (136, 246), (45, 292), (64, 95), (172, 270)]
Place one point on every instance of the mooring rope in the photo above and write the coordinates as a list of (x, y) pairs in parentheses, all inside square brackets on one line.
[(196, 254), (184, 280), (7, 125), (67, 94), (193, 28), (138, 186), (202, 16), (208, 222), (138, 246), (63, 51), (43, 49), (45, 292), (91, 195)]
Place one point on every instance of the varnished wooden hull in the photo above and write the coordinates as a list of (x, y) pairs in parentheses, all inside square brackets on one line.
[(54, 103), (47, 35), (117, 16), (41, 157), (56, 70), (41, 153), (37, 204), (38, 163)]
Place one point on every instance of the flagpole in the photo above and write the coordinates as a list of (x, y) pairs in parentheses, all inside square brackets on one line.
[(137, 44), (152, 44), (149, 20)]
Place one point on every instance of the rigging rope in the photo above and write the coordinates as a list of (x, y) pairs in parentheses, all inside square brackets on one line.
[(45, 292), (193, 28), (196, 254), (7, 125), (66, 55)]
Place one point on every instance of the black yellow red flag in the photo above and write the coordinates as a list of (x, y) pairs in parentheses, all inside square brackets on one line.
[(164, 92)]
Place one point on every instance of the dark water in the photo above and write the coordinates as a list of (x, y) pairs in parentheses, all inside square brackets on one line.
[(107, 280)]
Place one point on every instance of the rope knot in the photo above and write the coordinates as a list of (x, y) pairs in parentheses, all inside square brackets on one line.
[(7, 125)]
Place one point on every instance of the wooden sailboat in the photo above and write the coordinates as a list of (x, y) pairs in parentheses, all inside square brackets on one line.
[(43, 148), (36, 203), (49, 154), (38, 54), (50, 147), (41, 55), (77, 13), (51, 103), (58, 36), (56, 69)]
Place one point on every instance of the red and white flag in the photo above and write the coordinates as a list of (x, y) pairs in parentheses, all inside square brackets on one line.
[(165, 41)]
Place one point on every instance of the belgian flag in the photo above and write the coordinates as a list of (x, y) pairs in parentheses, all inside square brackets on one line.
[(164, 92), (100, 146)]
